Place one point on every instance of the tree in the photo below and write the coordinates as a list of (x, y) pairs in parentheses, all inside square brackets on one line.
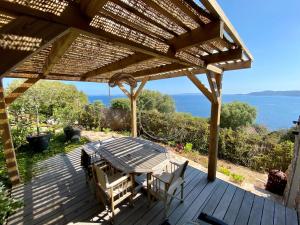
[(91, 117), (120, 103), (237, 114), (154, 100), (56, 100)]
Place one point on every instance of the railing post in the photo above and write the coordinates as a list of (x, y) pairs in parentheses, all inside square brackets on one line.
[(9, 151)]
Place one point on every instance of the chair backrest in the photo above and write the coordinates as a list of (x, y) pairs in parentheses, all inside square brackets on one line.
[(101, 177), (85, 159), (179, 172)]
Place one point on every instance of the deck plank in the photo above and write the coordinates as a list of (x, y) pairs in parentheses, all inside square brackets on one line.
[(158, 211), (224, 203), (200, 200), (213, 202), (290, 216), (279, 215), (244, 212), (268, 213), (158, 208), (256, 212), (58, 195), (234, 207)]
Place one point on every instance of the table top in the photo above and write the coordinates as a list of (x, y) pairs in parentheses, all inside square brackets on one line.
[(133, 155)]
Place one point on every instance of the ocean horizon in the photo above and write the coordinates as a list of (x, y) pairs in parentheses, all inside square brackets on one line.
[(274, 112)]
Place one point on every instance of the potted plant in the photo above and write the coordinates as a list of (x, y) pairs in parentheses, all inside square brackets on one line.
[(69, 118), (72, 133), (38, 141)]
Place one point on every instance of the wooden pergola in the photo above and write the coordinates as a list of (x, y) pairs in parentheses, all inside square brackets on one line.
[(92, 40)]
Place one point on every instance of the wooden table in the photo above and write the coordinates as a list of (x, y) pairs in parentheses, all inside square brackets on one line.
[(133, 155)]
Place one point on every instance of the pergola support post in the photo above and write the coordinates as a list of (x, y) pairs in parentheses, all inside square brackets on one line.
[(133, 95), (214, 96), (133, 113), (213, 140), (8, 146)]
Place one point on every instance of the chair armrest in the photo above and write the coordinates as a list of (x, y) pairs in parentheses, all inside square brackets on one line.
[(118, 181), (159, 178)]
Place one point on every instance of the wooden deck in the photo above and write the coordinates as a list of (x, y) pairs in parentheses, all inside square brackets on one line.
[(59, 195)]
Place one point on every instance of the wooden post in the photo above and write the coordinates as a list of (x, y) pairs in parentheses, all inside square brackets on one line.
[(214, 96), (9, 151), (213, 140), (133, 113), (294, 174), (216, 85), (133, 95)]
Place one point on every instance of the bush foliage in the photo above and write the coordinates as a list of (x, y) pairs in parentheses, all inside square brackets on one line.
[(240, 141), (237, 114)]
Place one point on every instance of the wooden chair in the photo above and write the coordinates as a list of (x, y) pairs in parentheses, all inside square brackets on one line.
[(164, 184), (112, 187), (89, 158)]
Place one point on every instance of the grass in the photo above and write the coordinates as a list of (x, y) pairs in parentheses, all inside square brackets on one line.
[(27, 158), (236, 178), (224, 170)]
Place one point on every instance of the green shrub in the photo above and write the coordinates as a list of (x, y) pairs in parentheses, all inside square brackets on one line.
[(237, 114), (106, 130), (154, 100), (91, 116), (236, 178), (176, 127), (188, 147), (7, 205), (224, 170), (120, 103)]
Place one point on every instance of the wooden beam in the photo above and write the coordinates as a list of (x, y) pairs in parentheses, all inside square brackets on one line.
[(236, 65), (168, 15), (143, 83), (28, 36), (160, 69), (213, 85), (20, 90), (200, 86), (121, 64), (51, 76), (59, 47), (121, 86), (91, 7), (197, 36), (232, 54), (8, 146), (73, 17), (214, 69), (214, 8)]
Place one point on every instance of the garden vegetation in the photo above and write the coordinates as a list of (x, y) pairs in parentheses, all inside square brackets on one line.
[(58, 105)]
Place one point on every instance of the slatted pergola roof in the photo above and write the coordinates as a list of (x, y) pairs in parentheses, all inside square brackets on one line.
[(91, 40), (98, 40)]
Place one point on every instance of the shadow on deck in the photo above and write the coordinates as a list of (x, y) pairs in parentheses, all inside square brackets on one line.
[(59, 195)]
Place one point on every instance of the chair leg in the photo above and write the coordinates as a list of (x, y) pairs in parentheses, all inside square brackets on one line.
[(181, 193)]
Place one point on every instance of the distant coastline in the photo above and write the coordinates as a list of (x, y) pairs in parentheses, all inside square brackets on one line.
[(275, 93), (290, 93)]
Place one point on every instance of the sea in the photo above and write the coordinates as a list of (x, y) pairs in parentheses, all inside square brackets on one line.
[(274, 112)]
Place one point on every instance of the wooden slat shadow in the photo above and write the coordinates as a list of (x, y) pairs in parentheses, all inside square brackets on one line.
[(58, 194)]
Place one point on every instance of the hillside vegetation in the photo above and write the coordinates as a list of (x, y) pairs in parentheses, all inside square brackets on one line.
[(240, 140)]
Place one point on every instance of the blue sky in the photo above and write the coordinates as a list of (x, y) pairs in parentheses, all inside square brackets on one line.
[(271, 31)]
